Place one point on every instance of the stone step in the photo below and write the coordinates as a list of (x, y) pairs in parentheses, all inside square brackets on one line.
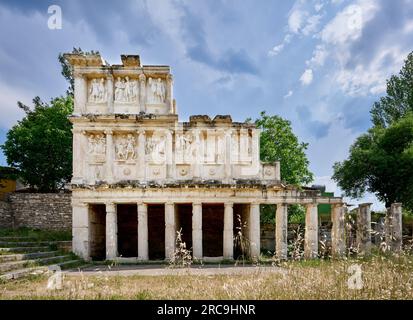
[(16, 274), (24, 249), (33, 243), (9, 266), (26, 256)]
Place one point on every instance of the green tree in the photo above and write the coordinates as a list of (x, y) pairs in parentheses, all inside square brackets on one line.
[(67, 71), (40, 145), (279, 143), (399, 99), (381, 162)]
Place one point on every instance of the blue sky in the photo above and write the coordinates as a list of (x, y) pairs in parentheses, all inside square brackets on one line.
[(321, 64)]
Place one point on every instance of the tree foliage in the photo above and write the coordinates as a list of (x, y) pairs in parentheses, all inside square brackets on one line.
[(399, 99), (40, 145), (279, 143), (67, 71), (381, 162)]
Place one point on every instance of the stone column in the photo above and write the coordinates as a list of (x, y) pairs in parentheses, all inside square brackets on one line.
[(80, 230), (109, 156), (197, 230), (80, 86), (281, 231), (111, 231), (338, 232), (394, 227), (142, 93), (311, 232), (169, 229), (363, 234), (109, 87), (143, 244), (169, 93), (141, 155), (228, 231), (254, 230)]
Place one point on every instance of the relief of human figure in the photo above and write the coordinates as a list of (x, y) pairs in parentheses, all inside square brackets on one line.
[(94, 91), (160, 91), (130, 147), (125, 148), (102, 90), (120, 90), (97, 144), (156, 91)]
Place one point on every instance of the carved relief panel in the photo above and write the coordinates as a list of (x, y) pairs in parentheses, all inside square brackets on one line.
[(126, 90), (97, 91), (155, 148), (125, 147), (96, 154)]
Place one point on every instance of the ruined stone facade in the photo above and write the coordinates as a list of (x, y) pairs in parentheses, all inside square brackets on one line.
[(140, 175)]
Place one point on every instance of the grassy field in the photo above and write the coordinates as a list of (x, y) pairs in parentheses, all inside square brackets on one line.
[(382, 277)]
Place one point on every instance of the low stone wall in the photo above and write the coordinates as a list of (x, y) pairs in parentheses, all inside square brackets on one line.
[(50, 211), (6, 217)]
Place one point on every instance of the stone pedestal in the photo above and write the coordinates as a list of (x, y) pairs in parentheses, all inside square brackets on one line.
[(143, 248), (228, 231), (338, 237), (254, 230), (197, 230), (394, 227), (111, 232), (363, 235), (169, 230), (311, 232), (281, 231), (80, 230)]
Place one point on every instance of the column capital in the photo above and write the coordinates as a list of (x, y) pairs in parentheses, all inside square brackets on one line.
[(108, 132), (229, 204), (110, 206), (169, 203), (196, 203), (80, 204)]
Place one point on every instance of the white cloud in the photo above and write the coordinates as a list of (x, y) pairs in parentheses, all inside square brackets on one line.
[(296, 20), (312, 24), (319, 56), (276, 50), (289, 94), (307, 77)]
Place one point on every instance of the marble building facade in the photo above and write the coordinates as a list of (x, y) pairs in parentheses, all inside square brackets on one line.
[(140, 175)]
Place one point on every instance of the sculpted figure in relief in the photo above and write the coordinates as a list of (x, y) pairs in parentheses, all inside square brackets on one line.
[(97, 144), (125, 148), (156, 91), (97, 91), (155, 148), (126, 90)]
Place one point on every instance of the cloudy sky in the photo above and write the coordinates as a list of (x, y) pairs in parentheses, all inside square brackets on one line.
[(321, 64)]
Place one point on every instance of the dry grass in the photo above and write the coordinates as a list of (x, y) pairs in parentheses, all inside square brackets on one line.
[(383, 278)]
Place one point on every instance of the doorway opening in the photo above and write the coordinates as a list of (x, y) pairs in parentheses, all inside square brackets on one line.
[(97, 231), (212, 230), (127, 230), (156, 231)]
